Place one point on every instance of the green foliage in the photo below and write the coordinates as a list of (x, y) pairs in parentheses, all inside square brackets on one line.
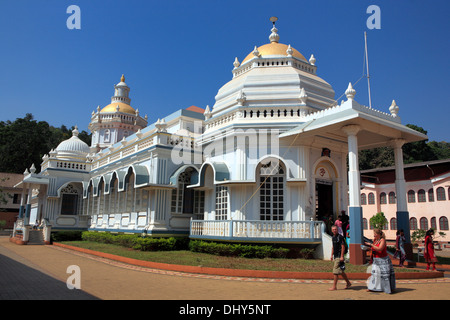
[(419, 235), (2, 224), (66, 236), (237, 250), (25, 141), (378, 221), (419, 151), (136, 242)]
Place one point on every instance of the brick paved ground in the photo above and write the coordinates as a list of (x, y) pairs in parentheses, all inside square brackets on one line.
[(39, 272)]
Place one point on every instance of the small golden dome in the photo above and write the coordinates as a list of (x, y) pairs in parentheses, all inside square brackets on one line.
[(123, 107), (274, 48)]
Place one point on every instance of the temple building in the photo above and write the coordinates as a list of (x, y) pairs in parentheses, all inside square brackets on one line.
[(266, 163)]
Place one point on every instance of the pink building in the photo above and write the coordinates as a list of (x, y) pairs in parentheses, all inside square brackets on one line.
[(427, 193)]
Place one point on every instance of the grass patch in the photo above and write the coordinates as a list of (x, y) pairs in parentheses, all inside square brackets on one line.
[(185, 257)]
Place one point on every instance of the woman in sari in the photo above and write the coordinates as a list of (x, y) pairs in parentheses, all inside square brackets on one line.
[(400, 252), (428, 251), (382, 275)]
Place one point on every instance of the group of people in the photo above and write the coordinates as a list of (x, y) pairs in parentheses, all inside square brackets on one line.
[(382, 272)]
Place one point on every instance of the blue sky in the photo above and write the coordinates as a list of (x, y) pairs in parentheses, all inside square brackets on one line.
[(175, 54)]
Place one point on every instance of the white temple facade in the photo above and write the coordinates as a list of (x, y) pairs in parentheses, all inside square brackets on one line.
[(267, 163)]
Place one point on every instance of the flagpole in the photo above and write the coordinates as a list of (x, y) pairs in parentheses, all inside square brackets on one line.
[(367, 64)]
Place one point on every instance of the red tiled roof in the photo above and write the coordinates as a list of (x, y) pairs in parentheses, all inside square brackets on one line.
[(196, 109)]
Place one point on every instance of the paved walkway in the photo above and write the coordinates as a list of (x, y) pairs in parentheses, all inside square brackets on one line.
[(40, 272)]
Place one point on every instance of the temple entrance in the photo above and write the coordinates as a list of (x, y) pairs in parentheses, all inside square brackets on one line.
[(324, 199)]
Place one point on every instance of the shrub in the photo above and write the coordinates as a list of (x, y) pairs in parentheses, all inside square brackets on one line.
[(237, 250), (136, 242), (66, 236)]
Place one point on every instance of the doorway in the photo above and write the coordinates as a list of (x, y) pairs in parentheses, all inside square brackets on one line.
[(324, 199)]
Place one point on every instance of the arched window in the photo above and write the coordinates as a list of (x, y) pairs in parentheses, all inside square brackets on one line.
[(186, 200), (423, 223), (421, 196), (363, 199), (69, 200), (371, 198), (271, 192), (393, 224), (433, 223), (440, 192), (113, 196), (391, 197), (411, 196), (101, 197), (443, 223), (107, 136), (431, 195), (129, 192), (413, 223), (383, 199), (365, 227)]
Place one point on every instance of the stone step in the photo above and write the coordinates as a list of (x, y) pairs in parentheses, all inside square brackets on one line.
[(35, 237)]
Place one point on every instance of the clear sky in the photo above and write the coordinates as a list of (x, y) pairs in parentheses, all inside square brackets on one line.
[(175, 54)]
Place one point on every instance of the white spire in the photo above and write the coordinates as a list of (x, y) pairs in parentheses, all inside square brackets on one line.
[(350, 92), (312, 60), (236, 63), (274, 37), (289, 51), (394, 109), (75, 132), (256, 52)]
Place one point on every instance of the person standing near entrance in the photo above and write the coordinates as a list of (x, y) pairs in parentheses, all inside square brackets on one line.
[(428, 251), (337, 256)]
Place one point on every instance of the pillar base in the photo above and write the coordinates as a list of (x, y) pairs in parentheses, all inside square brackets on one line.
[(357, 255)]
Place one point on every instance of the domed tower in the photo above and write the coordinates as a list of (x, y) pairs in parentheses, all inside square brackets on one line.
[(117, 120), (273, 83)]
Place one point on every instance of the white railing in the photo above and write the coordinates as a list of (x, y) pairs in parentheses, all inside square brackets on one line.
[(257, 229)]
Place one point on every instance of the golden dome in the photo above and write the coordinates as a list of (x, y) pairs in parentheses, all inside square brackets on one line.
[(123, 107), (274, 48)]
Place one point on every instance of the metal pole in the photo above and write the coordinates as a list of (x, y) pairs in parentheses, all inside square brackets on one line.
[(367, 64)]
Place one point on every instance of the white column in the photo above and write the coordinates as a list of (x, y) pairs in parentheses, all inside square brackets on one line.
[(353, 162), (354, 209), (400, 183), (400, 192)]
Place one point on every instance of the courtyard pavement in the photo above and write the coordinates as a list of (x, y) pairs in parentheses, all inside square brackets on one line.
[(38, 272)]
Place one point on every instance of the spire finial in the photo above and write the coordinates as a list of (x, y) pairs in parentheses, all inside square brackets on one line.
[(274, 37), (122, 79), (350, 92), (75, 131)]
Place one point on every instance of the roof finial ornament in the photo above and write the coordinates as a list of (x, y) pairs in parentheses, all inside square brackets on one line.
[(394, 109), (274, 37), (289, 51), (75, 132), (350, 92), (236, 63), (122, 79), (312, 60)]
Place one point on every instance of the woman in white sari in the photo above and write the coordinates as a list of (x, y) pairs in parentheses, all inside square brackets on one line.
[(382, 275)]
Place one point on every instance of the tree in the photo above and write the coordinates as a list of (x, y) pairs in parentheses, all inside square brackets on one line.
[(24, 142), (419, 151), (378, 221)]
